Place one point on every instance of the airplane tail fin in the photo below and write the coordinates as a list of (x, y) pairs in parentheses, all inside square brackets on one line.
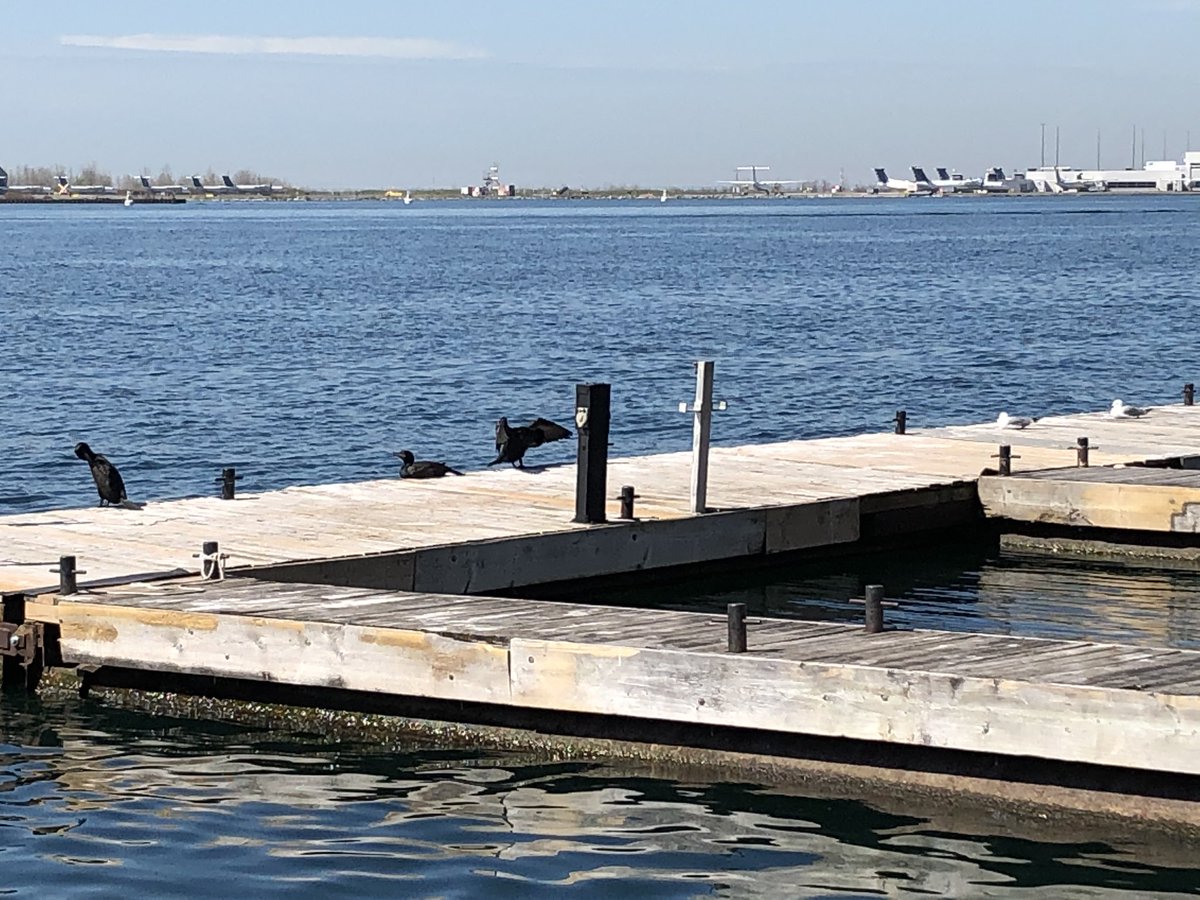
[(64, 186), (145, 182), (197, 183), (943, 174), (228, 181), (919, 174), (3, 180), (881, 176)]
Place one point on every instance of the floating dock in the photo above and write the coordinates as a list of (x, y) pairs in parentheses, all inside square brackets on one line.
[(500, 530), (375, 595), (1069, 701)]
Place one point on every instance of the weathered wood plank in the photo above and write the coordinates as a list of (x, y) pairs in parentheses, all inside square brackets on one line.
[(1077, 724), (264, 649), (1101, 505)]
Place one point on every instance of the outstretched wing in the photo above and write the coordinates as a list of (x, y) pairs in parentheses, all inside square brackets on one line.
[(545, 430)]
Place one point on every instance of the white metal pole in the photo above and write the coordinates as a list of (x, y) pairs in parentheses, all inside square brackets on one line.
[(701, 429)]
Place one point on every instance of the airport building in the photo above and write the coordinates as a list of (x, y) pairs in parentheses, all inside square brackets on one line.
[(1156, 175)]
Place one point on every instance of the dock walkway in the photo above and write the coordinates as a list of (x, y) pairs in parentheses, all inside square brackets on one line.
[(502, 529), (1070, 701)]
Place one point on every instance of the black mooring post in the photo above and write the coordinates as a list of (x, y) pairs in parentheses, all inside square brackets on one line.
[(1081, 451), (1189, 394), (591, 421), (737, 627), (1005, 458), (873, 597), (229, 477), (210, 563), (901, 421), (11, 670), (66, 575), (627, 497)]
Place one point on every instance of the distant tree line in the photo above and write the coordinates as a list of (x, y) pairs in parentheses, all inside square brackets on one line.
[(93, 174)]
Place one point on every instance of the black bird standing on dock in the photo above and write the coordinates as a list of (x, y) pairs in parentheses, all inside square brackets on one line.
[(422, 468), (105, 474), (511, 443)]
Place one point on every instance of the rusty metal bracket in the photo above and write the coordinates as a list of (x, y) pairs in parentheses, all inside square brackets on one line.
[(24, 641)]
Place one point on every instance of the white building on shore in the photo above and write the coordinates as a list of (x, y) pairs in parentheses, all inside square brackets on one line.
[(1156, 175)]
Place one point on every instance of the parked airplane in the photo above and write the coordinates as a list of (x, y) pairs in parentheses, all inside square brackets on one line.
[(198, 185), (161, 188), (232, 188), (65, 188), (956, 181), (20, 188), (1078, 182), (996, 182), (766, 186), (910, 188)]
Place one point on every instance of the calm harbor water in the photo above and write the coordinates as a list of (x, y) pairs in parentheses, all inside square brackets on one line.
[(305, 342), (101, 803)]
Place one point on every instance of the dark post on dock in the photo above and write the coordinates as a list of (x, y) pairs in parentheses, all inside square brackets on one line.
[(228, 482), (736, 615), (591, 421), (873, 601)]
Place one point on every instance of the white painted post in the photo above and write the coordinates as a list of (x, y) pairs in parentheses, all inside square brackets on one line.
[(701, 429), (702, 409)]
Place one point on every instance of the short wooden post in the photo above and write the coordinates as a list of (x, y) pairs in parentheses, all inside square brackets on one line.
[(67, 581), (901, 421), (1189, 394), (627, 497), (1081, 451), (873, 597), (736, 613), (592, 410), (11, 670)]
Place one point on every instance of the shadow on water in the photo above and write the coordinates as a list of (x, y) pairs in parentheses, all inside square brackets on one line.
[(960, 586), (158, 804)]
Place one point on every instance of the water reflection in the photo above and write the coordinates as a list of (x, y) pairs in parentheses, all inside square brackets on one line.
[(181, 808), (966, 587)]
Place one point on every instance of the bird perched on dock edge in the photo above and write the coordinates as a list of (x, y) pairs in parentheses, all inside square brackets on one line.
[(108, 480), (1004, 420), (422, 468), (512, 443), (1120, 411)]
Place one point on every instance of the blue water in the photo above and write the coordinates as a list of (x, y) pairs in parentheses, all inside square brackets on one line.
[(303, 342), (101, 803)]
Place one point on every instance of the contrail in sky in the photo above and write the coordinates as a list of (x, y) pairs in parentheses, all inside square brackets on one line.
[(380, 47)]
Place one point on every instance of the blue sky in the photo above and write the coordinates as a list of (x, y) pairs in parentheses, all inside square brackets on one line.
[(374, 93)]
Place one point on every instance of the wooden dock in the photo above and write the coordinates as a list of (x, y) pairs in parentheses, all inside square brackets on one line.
[(1123, 498), (1065, 701), (504, 529)]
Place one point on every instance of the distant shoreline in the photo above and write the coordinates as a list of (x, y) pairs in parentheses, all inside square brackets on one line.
[(390, 196)]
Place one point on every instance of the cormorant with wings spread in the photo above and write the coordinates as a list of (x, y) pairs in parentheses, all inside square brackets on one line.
[(512, 443)]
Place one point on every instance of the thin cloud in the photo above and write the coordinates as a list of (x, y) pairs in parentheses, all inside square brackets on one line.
[(231, 45)]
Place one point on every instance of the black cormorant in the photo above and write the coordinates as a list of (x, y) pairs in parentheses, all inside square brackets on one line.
[(423, 468), (511, 443), (108, 480)]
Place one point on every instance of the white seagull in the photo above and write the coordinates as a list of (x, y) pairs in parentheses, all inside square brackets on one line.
[(1004, 420), (1120, 411)]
